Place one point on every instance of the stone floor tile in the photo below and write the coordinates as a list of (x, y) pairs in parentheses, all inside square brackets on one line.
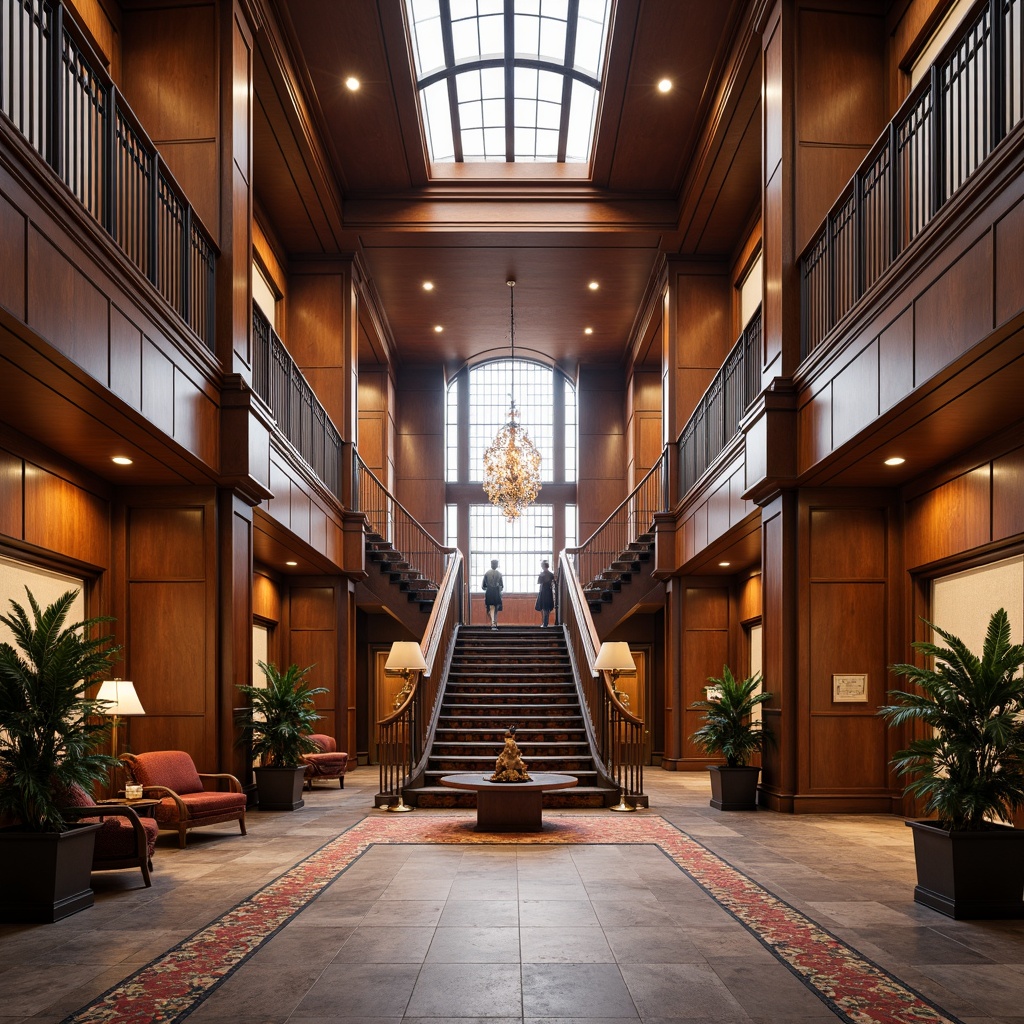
[(679, 990), (385, 945), (556, 913), (578, 990), (479, 945), (360, 990), (467, 990), (459, 913), (565, 945)]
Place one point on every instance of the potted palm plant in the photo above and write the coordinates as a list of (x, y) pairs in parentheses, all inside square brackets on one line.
[(968, 768), (278, 728), (49, 735), (730, 731)]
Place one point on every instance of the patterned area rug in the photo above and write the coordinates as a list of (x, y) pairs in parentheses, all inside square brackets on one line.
[(173, 985)]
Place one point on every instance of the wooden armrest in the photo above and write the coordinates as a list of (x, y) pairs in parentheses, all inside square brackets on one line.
[(114, 811), (165, 791), (234, 785)]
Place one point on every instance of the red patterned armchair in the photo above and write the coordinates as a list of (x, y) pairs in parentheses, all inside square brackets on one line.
[(124, 840), (185, 802), (327, 763)]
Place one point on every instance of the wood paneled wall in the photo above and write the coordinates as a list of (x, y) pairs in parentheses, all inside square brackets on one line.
[(643, 424), (313, 640), (376, 423), (602, 452), (419, 462)]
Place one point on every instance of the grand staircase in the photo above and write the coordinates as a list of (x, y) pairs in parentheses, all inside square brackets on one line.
[(632, 563), (515, 675)]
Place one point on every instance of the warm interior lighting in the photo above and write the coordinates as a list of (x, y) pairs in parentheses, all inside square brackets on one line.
[(428, 286), (438, 328), (615, 658), (593, 286), (725, 565), (512, 462), (404, 658), (120, 700), (291, 563), (352, 83), (665, 85), (121, 460), (895, 461), (588, 330)]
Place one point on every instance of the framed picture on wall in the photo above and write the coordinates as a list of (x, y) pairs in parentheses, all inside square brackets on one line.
[(849, 689)]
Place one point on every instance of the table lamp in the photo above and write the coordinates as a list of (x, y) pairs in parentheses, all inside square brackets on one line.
[(121, 700)]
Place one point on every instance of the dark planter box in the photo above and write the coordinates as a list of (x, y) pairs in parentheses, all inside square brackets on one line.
[(280, 789), (734, 789), (970, 874), (45, 876)]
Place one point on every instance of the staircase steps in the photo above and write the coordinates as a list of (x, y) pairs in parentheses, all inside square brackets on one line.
[(601, 590), (518, 676), (400, 573)]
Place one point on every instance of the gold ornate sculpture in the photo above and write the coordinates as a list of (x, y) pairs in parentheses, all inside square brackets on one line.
[(510, 767), (512, 462)]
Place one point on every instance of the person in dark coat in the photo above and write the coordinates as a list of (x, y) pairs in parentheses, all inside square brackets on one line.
[(493, 585), (546, 593)]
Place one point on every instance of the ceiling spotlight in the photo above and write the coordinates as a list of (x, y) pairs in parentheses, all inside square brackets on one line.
[(895, 461), (665, 85), (588, 330), (428, 286), (438, 328), (725, 565), (593, 286), (352, 83), (291, 563), (121, 460)]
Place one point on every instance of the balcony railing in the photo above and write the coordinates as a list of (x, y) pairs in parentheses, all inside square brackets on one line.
[(300, 417), (54, 91), (949, 124), (716, 420)]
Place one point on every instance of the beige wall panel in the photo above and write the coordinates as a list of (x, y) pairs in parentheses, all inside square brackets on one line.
[(1009, 232), (949, 519), (157, 387), (66, 308), (896, 360), (125, 358), (168, 633), (166, 543), (13, 243), (955, 313), (64, 518), (855, 395), (12, 520)]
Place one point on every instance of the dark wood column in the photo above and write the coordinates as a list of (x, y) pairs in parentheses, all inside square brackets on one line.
[(674, 701)]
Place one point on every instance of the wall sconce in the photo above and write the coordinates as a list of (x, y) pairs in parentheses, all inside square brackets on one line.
[(615, 658), (404, 658), (121, 700)]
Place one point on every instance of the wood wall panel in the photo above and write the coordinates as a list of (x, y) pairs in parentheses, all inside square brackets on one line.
[(157, 387), (420, 446), (166, 543), (181, 732), (896, 360), (167, 640), (196, 420), (13, 243), (847, 543), (855, 396), (66, 308), (125, 358), (64, 518), (1009, 244), (952, 518), (603, 446), (749, 600), (319, 649), (313, 639), (311, 608), (955, 313), (1007, 491), (861, 741), (814, 428), (706, 608), (12, 519), (266, 598)]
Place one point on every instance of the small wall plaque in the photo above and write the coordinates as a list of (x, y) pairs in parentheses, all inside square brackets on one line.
[(849, 689)]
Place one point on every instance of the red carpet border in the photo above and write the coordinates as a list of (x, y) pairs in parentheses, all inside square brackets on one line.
[(173, 985)]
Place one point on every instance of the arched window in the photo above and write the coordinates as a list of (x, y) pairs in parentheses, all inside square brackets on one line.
[(477, 406)]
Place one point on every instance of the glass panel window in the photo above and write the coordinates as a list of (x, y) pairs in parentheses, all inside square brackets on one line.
[(518, 546), (451, 433)]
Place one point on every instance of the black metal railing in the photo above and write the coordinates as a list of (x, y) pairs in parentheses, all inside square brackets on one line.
[(716, 420), (633, 518), (618, 734), (402, 735), (947, 127), (300, 416), (386, 516), (53, 89)]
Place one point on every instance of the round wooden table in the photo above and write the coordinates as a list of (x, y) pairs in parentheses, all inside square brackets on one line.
[(509, 806)]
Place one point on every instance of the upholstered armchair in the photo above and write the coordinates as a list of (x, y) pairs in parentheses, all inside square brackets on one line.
[(188, 798), (124, 840), (327, 763)]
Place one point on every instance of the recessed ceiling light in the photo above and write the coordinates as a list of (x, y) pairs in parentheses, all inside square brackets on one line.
[(895, 461), (121, 460), (438, 328), (291, 563), (352, 83), (588, 330), (725, 565), (428, 286), (593, 286), (665, 85)]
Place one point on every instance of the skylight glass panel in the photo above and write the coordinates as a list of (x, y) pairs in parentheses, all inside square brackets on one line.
[(548, 63)]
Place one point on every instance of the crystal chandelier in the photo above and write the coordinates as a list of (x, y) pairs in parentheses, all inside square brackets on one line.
[(512, 463)]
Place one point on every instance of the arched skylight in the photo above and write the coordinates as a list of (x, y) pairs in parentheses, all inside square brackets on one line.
[(508, 80)]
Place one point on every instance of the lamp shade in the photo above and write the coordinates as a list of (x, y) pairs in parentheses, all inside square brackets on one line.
[(615, 657), (405, 656), (120, 697)]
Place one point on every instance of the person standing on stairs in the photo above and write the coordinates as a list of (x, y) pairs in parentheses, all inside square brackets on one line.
[(493, 585), (545, 594)]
